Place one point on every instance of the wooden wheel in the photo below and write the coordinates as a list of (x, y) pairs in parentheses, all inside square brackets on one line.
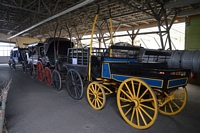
[(74, 84), (39, 70), (24, 67), (134, 104), (56, 80), (32, 70), (96, 96), (47, 76), (173, 101)]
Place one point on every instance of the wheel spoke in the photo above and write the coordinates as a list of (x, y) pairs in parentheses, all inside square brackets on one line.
[(100, 101), (71, 76), (165, 108), (133, 88), (125, 105), (175, 104), (132, 115), (93, 100), (98, 88), (75, 91), (91, 90), (124, 100), (170, 107), (146, 100), (137, 117), (95, 88), (138, 89), (174, 92), (146, 113), (101, 97), (143, 94), (166, 94), (128, 111), (179, 99), (142, 117), (147, 107), (129, 90), (126, 94), (90, 93)]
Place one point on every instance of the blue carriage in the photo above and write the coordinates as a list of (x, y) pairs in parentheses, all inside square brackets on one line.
[(17, 56), (144, 85)]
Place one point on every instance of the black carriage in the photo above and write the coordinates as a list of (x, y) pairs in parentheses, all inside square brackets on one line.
[(50, 66), (17, 56), (144, 85), (77, 69), (33, 53)]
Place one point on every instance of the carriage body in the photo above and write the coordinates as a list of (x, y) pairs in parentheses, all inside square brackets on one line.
[(51, 65), (55, 51), (33, 53), (79, 58), (17, 55), (145, 85), (155, 74)]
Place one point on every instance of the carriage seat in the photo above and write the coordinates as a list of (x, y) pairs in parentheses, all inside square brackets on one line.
[(157, 56), (95, 61), (158, 53)]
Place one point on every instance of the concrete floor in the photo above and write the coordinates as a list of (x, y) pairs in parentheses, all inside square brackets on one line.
[(34, 107)]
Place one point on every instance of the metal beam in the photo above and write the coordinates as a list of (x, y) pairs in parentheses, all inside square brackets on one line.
[(189, 12), (53, 17), (16, 7), (179, 3), (144, 33), (30, 3)]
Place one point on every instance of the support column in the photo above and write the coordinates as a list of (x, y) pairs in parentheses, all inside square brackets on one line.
[(165, 20)]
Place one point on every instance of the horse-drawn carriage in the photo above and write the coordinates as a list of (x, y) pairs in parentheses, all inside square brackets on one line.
[(33, 53), (50, 66), (17, 56), (144, 85)]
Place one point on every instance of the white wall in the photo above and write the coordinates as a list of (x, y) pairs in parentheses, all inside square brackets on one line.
[(4, 59)]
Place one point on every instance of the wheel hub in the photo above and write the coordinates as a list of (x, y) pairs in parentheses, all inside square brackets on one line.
[(134, 103), (95, 96)]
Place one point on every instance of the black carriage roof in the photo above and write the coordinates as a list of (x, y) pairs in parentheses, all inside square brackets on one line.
[(49, 42)]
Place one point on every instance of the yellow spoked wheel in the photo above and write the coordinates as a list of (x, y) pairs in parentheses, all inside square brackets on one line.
[(173, 101), (96, 96), (134, 104)]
